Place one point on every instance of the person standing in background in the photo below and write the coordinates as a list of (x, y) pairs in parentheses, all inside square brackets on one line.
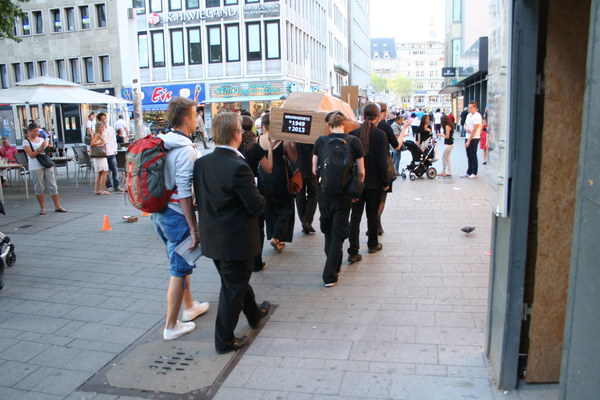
[(473, 125), (306, 199), (111, 151), (200, 129)]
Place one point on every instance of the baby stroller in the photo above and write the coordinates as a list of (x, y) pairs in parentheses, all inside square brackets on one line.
[(422, 161), (7, 252)]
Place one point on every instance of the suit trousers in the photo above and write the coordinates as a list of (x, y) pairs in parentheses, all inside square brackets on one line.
[(472, 161), (306, 201), (236, 295), (370, 199), (335, 211)]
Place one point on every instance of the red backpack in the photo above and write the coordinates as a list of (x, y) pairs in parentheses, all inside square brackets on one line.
[(145, 175)]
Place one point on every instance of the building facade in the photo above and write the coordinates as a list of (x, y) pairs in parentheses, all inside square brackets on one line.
[(359, 43), (337, 51), (421, 62), (76, 40)]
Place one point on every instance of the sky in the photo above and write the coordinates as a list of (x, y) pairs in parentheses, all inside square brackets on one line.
[(407, 20)]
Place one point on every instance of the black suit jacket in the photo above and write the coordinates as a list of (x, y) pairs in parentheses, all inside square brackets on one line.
[(228, 206)]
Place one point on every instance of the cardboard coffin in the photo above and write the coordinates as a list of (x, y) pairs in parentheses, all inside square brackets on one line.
[(302, 117)]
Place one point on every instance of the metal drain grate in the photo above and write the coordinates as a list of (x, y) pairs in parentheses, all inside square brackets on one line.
[(178, 362)]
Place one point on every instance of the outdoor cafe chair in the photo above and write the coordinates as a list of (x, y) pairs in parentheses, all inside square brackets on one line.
[(84, 163)]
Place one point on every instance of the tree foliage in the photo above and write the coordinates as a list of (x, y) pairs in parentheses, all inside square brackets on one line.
[(9, 12), (402, 86), (379, 83)]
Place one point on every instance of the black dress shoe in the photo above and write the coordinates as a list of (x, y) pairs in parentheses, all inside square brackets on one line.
[(261, 267), (376, 248), (354, 258), (264, 308), (238, 343), (310, 229)]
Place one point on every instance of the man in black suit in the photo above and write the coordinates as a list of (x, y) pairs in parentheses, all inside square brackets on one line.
[(228, 208)]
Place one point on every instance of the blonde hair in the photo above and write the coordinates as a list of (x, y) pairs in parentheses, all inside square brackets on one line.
[(99, 128), (224, 126)]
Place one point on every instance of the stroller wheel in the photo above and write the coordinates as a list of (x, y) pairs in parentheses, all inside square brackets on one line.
[(11, 259), (412, 177), (431, 172), (403, 175)]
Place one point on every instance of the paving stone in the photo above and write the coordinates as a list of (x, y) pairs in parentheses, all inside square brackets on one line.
[(99, 315), (23, 351), (18, 394), (419, 387), (38, 324), (330, 349), (394, 352), (12, 372), (226, 393), (296, 380), (61, 382), (461, 355), (107, 333)]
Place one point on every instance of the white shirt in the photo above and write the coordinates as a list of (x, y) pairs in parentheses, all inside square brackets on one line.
[(472, 120), (236, 151), (111, 140), (34, 164), (437, 118), (90, 125), (120, 124)]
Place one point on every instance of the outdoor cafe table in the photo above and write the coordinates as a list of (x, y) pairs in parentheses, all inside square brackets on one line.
[(7, 167)]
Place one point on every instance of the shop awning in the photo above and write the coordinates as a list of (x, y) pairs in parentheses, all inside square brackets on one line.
[(242, 99), (451, 89)]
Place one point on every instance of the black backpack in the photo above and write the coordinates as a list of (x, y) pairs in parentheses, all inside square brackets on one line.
[(335, 170)]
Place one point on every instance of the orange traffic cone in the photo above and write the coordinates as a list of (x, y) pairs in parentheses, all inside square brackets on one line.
[(145, 214), (106, 224)]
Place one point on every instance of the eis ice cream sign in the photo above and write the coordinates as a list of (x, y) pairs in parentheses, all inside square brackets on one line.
[(163, 94)]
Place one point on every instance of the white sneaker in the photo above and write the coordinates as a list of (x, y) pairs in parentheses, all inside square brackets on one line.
[(472, 176), (464, 176), (195, 311), (180, 329)]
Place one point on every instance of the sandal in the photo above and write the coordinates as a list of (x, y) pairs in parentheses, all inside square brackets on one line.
[(104, 192), (276, 245), (42, 212), (60, 210), (97, 193)]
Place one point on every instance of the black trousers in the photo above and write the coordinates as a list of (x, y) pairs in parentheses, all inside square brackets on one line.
[(258, 261), (306, 201), (370, 200), (473, 163), (236, 295), (335, 211)]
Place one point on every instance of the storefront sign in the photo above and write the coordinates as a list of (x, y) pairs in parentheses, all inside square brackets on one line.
[(192, 15), (163, 94), (247, 89), (448, 72), (295, 123), (251, 10)]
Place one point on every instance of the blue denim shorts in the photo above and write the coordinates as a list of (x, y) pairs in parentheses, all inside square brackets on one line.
[(173, 229)]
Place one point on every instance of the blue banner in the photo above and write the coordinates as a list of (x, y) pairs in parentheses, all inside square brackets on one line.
[(162, 94)]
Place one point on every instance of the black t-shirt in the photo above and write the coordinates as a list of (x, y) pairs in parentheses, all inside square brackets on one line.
[(304, 160), (376, 176), (451, 139), (355, 144), (389, 133), (253, 157), (422, 135)]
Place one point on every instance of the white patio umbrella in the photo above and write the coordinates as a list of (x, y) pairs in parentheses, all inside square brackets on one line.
[(47, 89), (9, 100)]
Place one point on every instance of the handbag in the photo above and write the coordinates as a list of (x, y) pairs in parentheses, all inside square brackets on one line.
[(294, 182), (392, 174), (42, 158), (98, 151)]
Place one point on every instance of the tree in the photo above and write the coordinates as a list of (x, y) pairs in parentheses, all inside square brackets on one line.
[(379, 83), (402, 86), (9, 12)]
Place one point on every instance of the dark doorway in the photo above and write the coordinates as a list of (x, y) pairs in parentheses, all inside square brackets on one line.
[(69, 123)]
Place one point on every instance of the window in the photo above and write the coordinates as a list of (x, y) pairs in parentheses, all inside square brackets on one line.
[(420, 74), (158, 49), (419, 99), (213, 3), (253, 41), (155, 5), (457, 10), (105, 68), (84, 13), (43, 68), (75, 72), (433, 99), (215, 51), (232, 37), (88, 63), (175, 5), (70, 12), (101, 15), (252, 1), (38, 22), (61, 69), (432, 74), (272, 40), (192, 4), (17, 72), (56, 20), (30, 70), (419, 85), (25, 27), (143, 50), (231, 2), (433, 64), (177, 57), (140, 5), (194, 49), (3, 76)]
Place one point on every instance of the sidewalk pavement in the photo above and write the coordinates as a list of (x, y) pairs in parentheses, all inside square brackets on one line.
[(405, 323)]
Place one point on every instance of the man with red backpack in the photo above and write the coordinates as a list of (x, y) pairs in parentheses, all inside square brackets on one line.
[(177, 221)]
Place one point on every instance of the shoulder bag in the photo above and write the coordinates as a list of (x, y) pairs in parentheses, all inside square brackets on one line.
[(43, 158), (294, 182)]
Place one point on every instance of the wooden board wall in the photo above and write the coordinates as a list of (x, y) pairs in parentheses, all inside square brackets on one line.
[(565, 68)]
